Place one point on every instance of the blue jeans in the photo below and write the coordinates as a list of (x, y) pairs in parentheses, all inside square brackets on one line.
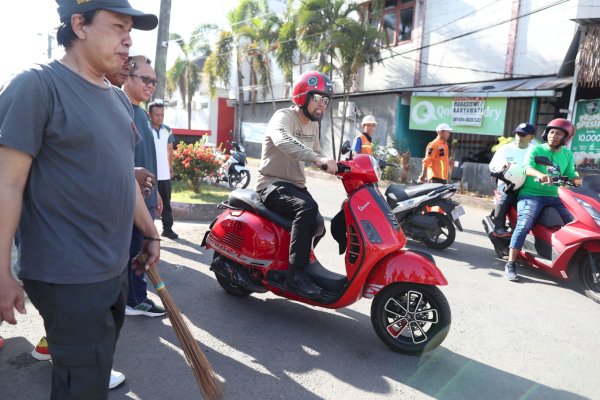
[(137, 283), (528, 210)]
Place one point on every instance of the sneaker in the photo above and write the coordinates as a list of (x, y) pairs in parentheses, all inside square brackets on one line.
[(500, 232), (510, 271), (170, 234), (116, 379), (147, 308), (41, 352)]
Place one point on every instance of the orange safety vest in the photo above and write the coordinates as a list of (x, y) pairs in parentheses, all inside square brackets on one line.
[(437, 159), (366, 145)]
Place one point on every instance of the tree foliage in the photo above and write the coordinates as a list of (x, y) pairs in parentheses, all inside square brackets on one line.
[(186, 74)]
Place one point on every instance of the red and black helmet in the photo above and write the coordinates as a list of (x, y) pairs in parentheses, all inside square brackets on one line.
[(564, 125), (310, 83)]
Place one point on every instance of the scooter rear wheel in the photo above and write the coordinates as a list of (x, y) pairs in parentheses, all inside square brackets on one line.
[(591, 289), (239, 180), (446, 233), (411, 318), (232, 288)]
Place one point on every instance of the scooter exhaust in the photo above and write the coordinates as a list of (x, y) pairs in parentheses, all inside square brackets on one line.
[(235, 273)]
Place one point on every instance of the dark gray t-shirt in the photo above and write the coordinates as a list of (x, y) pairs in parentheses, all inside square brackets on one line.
[(79, 199)]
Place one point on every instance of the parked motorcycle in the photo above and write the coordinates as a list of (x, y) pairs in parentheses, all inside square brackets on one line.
[(570, 251), (409, 313), (234, 170), (426, 212)]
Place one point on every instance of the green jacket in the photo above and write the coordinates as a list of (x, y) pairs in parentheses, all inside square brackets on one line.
[(563, 165)]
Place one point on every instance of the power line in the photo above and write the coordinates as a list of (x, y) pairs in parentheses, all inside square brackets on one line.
[(395, 54)]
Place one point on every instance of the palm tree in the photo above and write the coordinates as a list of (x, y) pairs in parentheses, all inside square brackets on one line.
[(186, 73), (356, 46), (317, 21), (286, 49)]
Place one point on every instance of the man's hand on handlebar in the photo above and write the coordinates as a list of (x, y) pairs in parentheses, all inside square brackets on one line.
[(328, 165)]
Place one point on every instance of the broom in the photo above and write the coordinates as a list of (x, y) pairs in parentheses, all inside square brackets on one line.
[(207, 381)]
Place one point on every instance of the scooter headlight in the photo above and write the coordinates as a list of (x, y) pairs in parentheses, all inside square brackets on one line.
[(376, 168), (588, 207)]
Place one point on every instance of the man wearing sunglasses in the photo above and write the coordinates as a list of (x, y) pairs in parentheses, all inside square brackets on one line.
[(511, 153), (290, 142), (139, 87), (66, 144)]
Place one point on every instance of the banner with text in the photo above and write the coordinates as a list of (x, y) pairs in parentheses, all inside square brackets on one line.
[(482, 116), (586, 142)]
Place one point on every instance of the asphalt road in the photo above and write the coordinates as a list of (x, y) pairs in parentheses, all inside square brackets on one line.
[(535, 339)]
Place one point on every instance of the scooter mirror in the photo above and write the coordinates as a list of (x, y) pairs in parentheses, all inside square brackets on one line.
[(543, 160), (346, 147)]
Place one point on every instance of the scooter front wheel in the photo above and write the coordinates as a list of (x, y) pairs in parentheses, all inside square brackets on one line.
[(411, 318), (445, 235), (586, 277)]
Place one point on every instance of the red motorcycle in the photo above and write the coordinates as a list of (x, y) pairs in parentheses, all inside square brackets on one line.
[(564, 251), (409, 313)]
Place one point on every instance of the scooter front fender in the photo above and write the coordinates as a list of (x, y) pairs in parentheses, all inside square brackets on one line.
[(403, 266)]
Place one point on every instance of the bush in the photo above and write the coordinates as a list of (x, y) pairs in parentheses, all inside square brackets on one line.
[(195, 162)]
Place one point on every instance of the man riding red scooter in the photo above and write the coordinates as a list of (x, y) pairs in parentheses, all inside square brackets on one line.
[(544, 208)]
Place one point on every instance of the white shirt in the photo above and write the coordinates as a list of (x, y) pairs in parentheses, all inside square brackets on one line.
[(509, 153), (161, 139)]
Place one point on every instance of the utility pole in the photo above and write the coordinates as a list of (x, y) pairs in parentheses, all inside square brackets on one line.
[(162, 43), (49, 46)]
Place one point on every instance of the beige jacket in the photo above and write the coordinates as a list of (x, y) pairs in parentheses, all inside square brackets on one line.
[(286, 147)]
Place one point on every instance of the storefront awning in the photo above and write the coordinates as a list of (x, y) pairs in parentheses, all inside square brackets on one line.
[(528, 87)]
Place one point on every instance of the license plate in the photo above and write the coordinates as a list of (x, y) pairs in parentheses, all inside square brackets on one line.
[(458, 212)]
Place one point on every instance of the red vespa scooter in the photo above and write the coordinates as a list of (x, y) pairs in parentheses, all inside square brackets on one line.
[(409, 313), (569, 251)]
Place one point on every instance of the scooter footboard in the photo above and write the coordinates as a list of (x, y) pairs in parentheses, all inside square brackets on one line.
[(403, 266)]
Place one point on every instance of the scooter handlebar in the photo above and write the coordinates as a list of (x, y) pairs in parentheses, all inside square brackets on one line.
[(558, 181), (341, 168)]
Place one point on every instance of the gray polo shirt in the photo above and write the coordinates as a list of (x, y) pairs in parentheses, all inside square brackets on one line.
[(79, 199)]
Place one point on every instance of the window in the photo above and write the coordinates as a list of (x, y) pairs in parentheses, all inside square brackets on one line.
[(397, 21)]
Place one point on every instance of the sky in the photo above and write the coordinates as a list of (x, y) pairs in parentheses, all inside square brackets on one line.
[(25, 25)]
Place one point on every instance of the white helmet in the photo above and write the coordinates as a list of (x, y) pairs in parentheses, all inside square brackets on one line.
[(515, 174), (369, 119)]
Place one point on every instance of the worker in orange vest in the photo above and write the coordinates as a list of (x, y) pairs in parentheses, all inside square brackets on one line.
[(363, 142), (436, 160)]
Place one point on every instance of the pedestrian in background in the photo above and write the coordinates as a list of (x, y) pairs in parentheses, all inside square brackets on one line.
[(163, 141), (139, 87), (69, 184), (436, 163), (363, 143)]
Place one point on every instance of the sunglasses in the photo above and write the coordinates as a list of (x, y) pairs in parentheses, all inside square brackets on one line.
[(146, 79), (321, 99)]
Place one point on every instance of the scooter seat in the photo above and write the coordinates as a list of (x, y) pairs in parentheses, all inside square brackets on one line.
[(247, 199), (406, 192)]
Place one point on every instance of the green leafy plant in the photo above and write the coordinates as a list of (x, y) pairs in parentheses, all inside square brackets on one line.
[(195, 162)]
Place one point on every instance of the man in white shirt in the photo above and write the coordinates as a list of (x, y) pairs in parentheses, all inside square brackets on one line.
[(511, 153), (163, 141)]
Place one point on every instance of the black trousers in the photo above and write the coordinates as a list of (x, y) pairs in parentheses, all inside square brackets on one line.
[(298, 205), (82, 322), (439, 180), (164, 189)]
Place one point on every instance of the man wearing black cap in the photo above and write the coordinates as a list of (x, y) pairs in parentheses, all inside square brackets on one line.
[(509, 154), (61, 125)]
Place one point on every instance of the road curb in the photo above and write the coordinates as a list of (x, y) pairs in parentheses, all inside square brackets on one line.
[(194, 212)]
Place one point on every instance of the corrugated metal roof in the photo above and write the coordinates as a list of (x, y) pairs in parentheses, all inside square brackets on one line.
[(541, 86)]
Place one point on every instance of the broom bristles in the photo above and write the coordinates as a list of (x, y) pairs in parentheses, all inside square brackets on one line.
[(207, 381)]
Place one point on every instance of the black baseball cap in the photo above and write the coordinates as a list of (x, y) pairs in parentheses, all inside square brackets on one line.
[(141, 20), (524, 129)]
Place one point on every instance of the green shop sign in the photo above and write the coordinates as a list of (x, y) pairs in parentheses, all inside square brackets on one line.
[(586, 142), (483, 116)]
